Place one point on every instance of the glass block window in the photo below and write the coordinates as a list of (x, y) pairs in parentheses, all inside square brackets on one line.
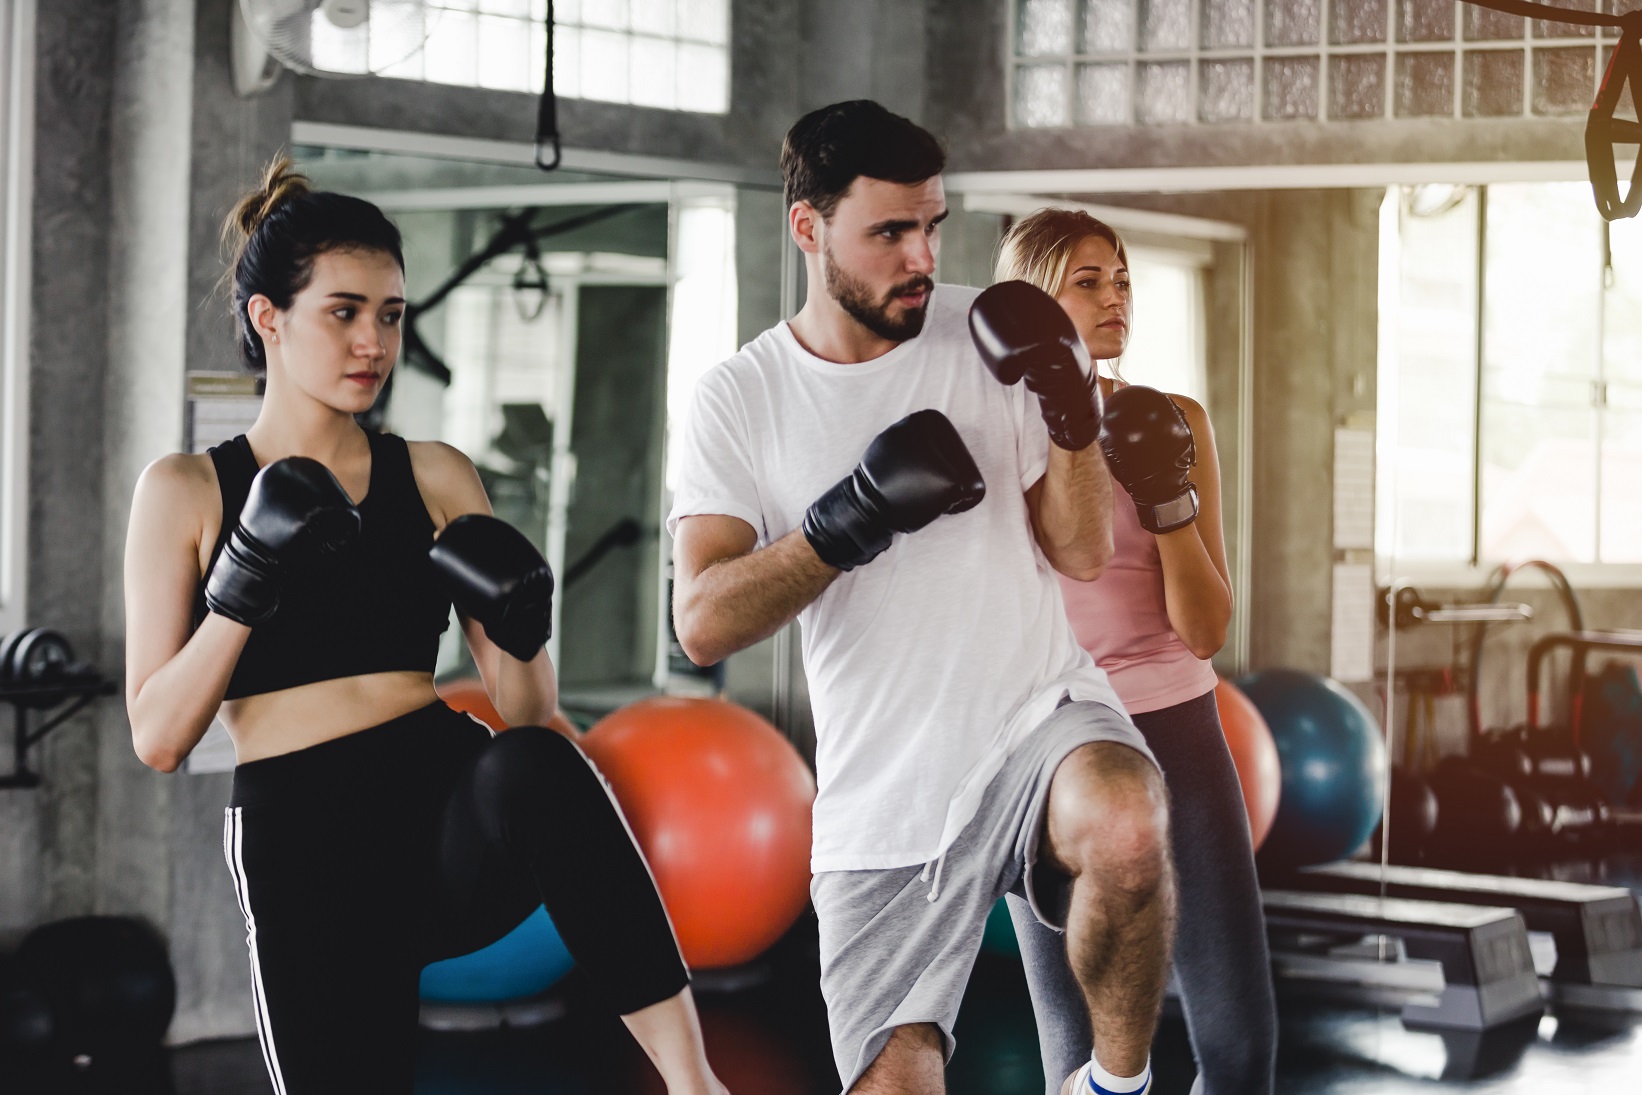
[(671, 54), (1215, 62)]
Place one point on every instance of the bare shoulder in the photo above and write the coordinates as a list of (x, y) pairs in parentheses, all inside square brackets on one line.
[(1196, 417), (448, 481), (178, 481)]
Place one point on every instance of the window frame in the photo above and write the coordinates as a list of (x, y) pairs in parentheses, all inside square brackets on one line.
[(1258, 53), (17, 73), (1477, 569)]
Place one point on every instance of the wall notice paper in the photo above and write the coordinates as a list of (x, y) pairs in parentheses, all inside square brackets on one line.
[(1352, 646), (1353, 488)]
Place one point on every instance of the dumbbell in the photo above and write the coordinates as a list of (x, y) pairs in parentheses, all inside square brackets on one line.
[(39, 657)]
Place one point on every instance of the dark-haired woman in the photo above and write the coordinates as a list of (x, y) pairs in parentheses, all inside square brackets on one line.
[(298, 578)]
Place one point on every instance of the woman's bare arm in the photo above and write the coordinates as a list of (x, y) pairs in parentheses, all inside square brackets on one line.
[(175, 677)]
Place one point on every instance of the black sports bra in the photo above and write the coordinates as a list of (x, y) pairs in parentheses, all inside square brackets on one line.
[(377, 608)]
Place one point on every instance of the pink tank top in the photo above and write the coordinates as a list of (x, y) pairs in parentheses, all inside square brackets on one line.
[(1121, 620)]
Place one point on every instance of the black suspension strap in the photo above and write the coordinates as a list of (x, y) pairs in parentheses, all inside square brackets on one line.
[(547, 110), (1602, 129)]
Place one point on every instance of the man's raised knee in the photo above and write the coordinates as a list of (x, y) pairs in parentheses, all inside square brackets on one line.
[(1109, 816)]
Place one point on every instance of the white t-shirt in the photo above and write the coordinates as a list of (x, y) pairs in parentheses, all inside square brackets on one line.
[(928, 664)]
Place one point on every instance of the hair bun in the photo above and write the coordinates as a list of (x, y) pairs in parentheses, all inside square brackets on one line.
[(281, 183)]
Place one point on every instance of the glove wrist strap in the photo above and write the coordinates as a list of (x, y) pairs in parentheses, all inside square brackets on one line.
[(1161, 517)]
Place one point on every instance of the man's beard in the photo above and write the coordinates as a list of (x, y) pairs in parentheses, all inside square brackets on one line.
[(855, 297)]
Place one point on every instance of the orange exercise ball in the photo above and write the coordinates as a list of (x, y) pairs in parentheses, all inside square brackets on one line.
[(1255, 754), (720, 803), (468, 695)]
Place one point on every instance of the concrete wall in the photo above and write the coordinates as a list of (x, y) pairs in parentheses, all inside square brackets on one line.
[(47, 856)]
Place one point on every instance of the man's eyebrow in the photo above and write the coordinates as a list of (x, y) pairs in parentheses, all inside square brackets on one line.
[(903, 225)]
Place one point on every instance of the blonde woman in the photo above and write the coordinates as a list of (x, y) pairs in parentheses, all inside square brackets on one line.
[(1152, 620)]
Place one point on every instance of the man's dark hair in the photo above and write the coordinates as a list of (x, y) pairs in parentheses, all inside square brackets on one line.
[(827, 149)]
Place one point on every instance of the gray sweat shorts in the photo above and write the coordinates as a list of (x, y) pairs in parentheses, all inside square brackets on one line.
[(890, 956)]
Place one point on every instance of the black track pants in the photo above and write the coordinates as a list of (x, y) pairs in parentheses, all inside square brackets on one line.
[(358, 861)]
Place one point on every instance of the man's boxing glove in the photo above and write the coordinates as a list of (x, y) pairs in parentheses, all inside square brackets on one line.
[(497, 577), (915, 471), (1022, 333), (1150, 450), (295, 515)]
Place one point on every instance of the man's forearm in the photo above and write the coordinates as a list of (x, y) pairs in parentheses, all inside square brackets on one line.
[(1073, 521), (737, 602)]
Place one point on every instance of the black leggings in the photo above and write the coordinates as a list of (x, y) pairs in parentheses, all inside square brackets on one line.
[(360, 860), (1220, 955)]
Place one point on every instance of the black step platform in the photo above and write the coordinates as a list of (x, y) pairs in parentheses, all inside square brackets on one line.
[(1487, 970), (1598, 929)]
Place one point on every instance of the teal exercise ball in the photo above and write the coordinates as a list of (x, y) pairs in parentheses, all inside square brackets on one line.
[(1333, 765), (999, 937), (528, 960)]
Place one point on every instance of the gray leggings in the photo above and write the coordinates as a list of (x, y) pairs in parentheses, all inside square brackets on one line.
[(1220, 954)]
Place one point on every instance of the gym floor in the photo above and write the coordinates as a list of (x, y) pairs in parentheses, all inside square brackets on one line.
[(771, 1040)]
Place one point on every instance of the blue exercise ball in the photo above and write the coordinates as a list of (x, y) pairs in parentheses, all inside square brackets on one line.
[(527, 960), (1333, 763)]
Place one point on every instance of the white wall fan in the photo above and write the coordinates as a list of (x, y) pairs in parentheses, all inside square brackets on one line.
[(324, 38)]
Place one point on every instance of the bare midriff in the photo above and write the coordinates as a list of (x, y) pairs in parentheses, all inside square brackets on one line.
[(272, 723)]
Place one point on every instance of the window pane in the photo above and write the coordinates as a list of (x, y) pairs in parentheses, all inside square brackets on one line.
[(1290, 87), (704, 20), (1621, 472), (503, 54), (1493, 83), (1564, 80), (1228, 24), (1356, 86), (1164, 93), (1293, 22), (1103, 94), (1425, 85), (1040, 95), (453, 53), (653, 17), (1167, 350), (1165, 25), (703, 78), (567, 62), (1045, 28), (1357, 21), (1538, 480), (1428, 287), (604, 66), (655, 72), (1622, 306), (1425, 20), (611, 14), (1108, 26), (1225, 91), (1541, 259)]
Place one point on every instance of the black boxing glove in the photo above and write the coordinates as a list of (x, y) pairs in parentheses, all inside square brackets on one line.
[(295, 515), (1150, 450), (497, 577), (915, 471), (1022, 332)]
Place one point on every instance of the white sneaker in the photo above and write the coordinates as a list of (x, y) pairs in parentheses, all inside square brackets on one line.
[(1081, 1083)]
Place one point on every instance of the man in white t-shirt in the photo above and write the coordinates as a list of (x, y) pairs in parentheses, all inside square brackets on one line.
[(966, 746)]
